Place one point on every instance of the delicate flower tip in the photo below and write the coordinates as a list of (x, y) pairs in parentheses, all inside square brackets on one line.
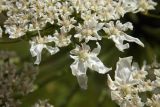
[(82, 81), (104, 71), (141, 44), (110, 83)]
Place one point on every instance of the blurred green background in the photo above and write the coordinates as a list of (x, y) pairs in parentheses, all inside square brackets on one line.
[(56, 82)]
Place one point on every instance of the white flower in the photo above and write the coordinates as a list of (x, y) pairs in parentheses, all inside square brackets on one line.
[(89, 30), (64, 8), (154, 101), (62, 39), (129, 5), (139, 74), (14, 31), (124, 6), (1, 31), (117, 34), (85, 58), (106, 13), (66, 22), (122, 88), (157, 74), (37, 45), (145, 5), (124, 70)]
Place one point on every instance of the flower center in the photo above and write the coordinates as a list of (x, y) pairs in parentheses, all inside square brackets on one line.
[(87, 32), (83, 55)]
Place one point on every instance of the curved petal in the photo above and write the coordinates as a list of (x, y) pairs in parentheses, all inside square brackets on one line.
[(132, 39), (118, 40), (111, 83), (36, 51), (78, 68), (52, 50), (123, 70), (97, 50), (82, 81), (94, 63)]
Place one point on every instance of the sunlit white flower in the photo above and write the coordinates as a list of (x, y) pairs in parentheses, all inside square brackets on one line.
[(37, 45), (67, 22), (117, 34), (64, 8), (62, 39), (154, 101), (89, 30), (85, 58), (145, 5), (123, 73), (124, 6), (157, 74), (106, 13), (122, 88), (14, 31), (139, 74)]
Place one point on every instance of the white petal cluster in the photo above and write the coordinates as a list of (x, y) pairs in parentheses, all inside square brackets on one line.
[(157, 74), (117, 33), (85, 58), (33, 15), (145, 5), (89, 30), (37, 45), (154, 101), (70, 20), (61, 38), (122, 89), (130, 81)]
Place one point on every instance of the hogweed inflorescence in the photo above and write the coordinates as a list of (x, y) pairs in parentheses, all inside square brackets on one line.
[(82, 20)]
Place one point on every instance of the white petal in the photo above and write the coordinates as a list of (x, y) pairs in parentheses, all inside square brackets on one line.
[(94, 63), (97, 50), (118, 40), (132, 39), (82, 80), (78, 68), (123, 70), (99, 26), (52, 50), (79, 36), (116, 96), (111, 83), (36, 51), (124, 27), (49, 38)]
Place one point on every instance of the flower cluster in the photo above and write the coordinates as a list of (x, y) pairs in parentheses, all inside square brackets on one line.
[(42, 104), (73, 19), (14, 83), (130, 81)]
